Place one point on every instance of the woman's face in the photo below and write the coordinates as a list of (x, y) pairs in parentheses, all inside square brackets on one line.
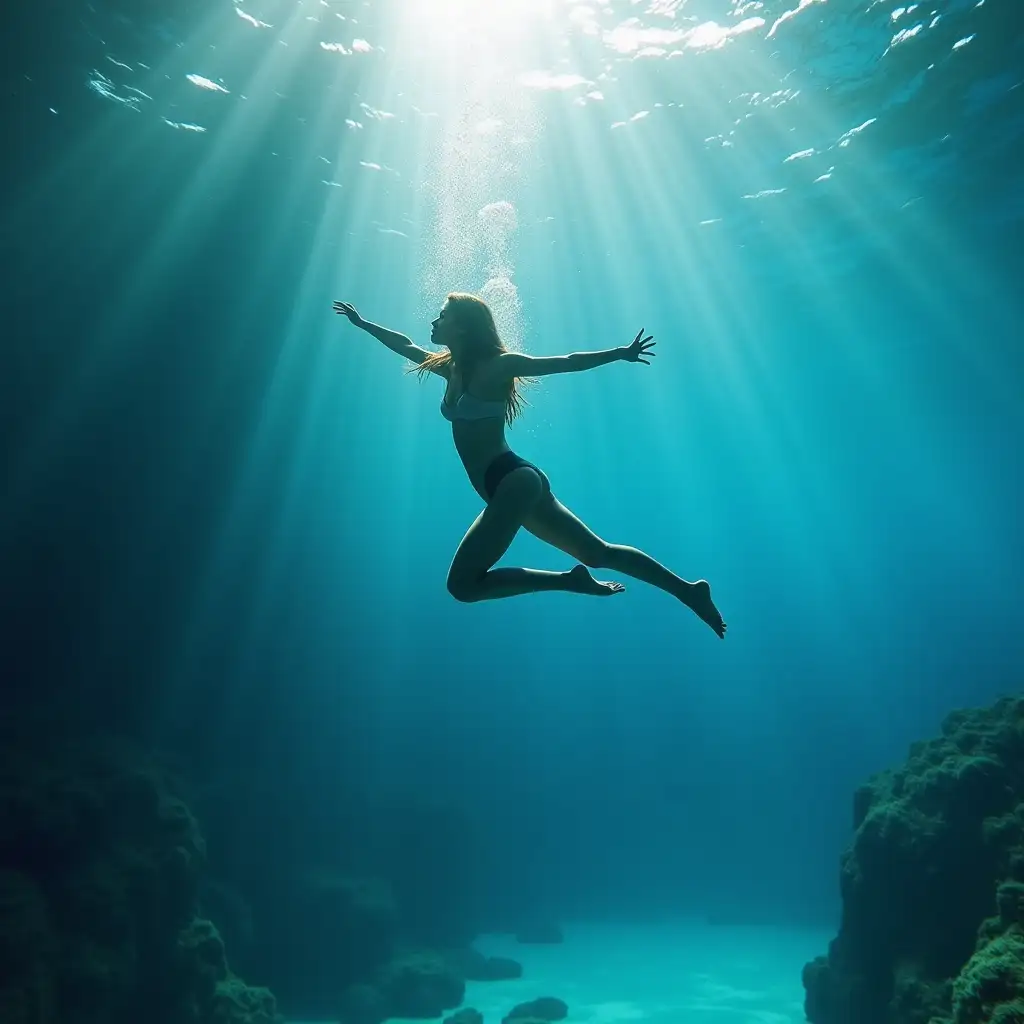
[(443, 329)]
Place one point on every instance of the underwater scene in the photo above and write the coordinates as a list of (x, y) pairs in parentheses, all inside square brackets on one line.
[(511, 511)]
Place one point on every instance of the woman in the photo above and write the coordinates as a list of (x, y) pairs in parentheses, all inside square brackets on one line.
[(481, 396)]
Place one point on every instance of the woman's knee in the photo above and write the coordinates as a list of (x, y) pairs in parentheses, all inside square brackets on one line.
[(462, 587)]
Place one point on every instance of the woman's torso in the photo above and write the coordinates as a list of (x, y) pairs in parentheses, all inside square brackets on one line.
[(478, 441)]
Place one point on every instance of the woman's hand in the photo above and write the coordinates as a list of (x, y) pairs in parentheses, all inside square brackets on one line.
[(347, 309), (641, 347)]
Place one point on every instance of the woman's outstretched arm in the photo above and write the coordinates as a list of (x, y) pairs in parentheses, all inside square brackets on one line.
[(399, 343), (515, 364)]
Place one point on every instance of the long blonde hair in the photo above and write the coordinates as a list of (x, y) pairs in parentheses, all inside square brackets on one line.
[(474, 317)]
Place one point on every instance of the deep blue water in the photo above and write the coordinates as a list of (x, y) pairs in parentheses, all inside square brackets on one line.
[(227, 517)]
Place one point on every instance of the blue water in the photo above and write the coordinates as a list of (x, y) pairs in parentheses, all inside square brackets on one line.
[(229, 516), (657, 974)]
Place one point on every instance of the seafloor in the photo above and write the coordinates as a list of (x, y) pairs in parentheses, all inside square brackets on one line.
[(687, 973)]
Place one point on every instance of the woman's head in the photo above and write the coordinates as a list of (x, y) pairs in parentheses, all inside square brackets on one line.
[(465, 328)]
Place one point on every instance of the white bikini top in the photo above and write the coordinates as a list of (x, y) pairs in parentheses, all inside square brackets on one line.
[(469, 407)]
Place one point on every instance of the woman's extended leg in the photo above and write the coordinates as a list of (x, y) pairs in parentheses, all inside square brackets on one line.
[(471, 577), (550, 521)]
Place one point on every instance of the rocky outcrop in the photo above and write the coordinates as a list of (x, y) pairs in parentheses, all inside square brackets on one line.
[(418, 984), (99, 879), (381, 883), (474, 966), (332, 931), (546, 1008), (933, 885)]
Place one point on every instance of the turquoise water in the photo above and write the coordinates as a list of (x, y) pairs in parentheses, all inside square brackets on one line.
[(231, 515), (685, 972), (660, 975)]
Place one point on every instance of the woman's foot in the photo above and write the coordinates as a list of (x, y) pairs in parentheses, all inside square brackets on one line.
[(581, 582), (697, 597)]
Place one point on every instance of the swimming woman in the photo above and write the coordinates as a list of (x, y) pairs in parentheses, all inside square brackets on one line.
[(481, 395)]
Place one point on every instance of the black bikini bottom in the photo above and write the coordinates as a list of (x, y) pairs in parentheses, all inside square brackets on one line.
[(502, 466)]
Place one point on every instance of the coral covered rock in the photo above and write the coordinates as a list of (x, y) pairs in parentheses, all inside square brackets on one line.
[(361, 912), (332, 932), (420, 985), (546, 1008), (474, 966), (344, 886), (363, 1004), (235, 1002), (467, 1016), (938, 850), (990, 989), (99, 875)]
